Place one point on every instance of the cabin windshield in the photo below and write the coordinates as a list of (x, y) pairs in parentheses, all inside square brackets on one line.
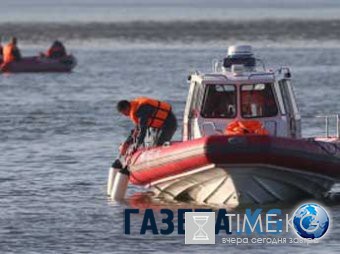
[(219, 101), (257, 100)]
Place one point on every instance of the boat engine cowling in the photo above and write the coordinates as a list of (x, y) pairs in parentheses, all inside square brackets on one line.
[(120, 185)]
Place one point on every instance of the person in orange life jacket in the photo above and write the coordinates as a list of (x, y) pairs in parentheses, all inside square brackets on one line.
[(57, 50), (145, 113), (11, 52)]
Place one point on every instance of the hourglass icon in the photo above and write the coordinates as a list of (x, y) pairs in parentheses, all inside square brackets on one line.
[(200, 234)]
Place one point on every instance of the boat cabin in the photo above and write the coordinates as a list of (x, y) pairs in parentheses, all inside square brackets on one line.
[(238, 89)]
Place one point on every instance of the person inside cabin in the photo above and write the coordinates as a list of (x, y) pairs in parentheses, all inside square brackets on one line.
[(211, 103), (258, 101), (57, 50), (145, 113), (11, 52), (252, 103), (219, 102)]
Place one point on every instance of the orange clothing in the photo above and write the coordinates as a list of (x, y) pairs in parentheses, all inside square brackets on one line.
[(245, 127), (8, 53), (158, 118), (252, 97)]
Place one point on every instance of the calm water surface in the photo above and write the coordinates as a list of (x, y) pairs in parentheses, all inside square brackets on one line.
[(59, 132)]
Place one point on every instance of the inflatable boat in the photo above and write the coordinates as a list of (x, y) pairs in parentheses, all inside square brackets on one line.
[(40, 64), (241, 143), (235, 170)]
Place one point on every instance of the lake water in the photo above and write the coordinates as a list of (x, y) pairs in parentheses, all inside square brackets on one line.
[(59, 132)]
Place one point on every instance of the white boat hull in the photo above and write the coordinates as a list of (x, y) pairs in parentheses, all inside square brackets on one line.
[(235, 185)]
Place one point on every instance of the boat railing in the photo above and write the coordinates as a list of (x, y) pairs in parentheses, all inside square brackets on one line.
[(217, 65), (285, 71), (328, 118), (262, 62), (260, 75)]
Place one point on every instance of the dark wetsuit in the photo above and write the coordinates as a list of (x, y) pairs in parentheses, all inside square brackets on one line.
[(167, 131), (16, 53), (56, 51)]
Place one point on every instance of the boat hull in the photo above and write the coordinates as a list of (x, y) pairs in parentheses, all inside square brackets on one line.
[(236, 170), (235, 185), (40, 64)]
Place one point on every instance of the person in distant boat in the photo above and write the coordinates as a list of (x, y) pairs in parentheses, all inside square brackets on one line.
[(145, 113), (11, 52), (57, 50), (0, 50)]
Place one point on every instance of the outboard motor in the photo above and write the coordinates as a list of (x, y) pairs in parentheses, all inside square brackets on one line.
[(120, 185), (240, 55), (116, 166)]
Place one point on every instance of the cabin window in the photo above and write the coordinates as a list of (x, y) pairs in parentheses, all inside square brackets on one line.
[(219, 101), (257, 100)]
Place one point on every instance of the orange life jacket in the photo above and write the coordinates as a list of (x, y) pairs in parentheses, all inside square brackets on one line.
[(245, 127), (8, 53), (159, 116), (253, 96)]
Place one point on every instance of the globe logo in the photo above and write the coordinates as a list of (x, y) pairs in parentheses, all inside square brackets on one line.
[(311, 221)]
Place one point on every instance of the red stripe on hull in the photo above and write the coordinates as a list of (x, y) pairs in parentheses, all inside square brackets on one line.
[(307, 156)]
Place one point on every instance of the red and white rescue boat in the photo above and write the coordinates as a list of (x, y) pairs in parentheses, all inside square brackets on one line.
[(240, 167)]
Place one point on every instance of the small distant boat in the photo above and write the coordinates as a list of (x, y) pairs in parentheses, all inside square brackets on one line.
[(40, 64), (220, 160)]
